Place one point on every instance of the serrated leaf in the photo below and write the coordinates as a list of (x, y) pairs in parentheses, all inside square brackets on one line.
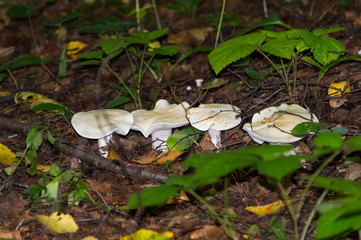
[(234, 49), (111, 45), (92, 54), (339, 185), (328, 49), (154, 196), (169, 50), (273, 34), (319, 32), (283, 48), (34, 138), (183, 139)]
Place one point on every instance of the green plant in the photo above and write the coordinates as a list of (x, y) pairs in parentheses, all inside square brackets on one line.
[(289, 45), (47, 191), (271, 161), (185, 7)]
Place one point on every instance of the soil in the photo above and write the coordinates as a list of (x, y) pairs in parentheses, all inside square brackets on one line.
[(90, 87)]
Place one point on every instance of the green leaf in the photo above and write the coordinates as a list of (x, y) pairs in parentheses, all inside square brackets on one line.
[(273, 20), (51, 139), (267, 152), (34, 138), (62, 63), (336, 62), (354, 143), (311, 61), (150, 35), (21, 62), (20, 11), (319, 32), (283, 48), (234, 49), (32, 160), (154, 196), (252, 73), (116, 102), (169, 50), (280, 167), (341, 130), (329, 140), (89, 62), (273, 34), (112, 45), (194, 50), (49, 107), (2, 76), (305, 128), (215, 83), (92, 54), (338, 222), (69, 17), (339, 185), (54, 170), (183, 139), (186, 181)]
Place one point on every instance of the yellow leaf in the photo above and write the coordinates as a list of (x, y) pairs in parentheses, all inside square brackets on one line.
[(161, 158), (343, 86), (74, 47), (182, 198), (153, 45), (5, 93), (266, 209), (33, 98), (168, 156), (89, 238), (7, 157), (63, 223), (144, 234), (112, 154), (43, 168)]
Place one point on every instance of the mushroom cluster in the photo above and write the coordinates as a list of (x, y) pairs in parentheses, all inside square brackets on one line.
[(273, 124)]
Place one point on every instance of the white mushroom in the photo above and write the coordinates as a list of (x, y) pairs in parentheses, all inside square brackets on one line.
[(100, 124), (159, 122), (274, 124), (214, 118)]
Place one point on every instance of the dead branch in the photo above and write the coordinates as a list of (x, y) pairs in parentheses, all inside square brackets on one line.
[(67, 148)]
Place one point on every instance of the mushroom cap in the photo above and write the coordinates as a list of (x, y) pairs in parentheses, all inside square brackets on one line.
[(97, 124), (163, 116), (274, 124), (216, 116)]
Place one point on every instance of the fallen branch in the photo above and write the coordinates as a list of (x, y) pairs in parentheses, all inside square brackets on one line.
[(65, 147)]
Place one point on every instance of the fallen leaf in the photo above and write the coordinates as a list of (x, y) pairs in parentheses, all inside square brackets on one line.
[(153, 45), (148, 234), (15, 235), (43, 168), (337, 102), (189, 36), (89, 238), (182, 198), (266, 209), (7, 157), (34, 98), (5, 93), (74, 47), (63, 223), (342, 86), (208, 232), (160, 158)]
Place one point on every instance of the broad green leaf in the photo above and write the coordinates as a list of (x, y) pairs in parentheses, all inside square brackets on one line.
[(305, 128), (190, 182), (169, 50), (280, 167), (340, 221), (234, 49), (116, 102), (145, 37), (273, 20), (92, 54), (194, 50), (32, 160), (107, 27), (252, 73), (21, 62), (283, 48), (319, 32), (111, 45), (266, 152), (20, 11), (2, 76), (50, 106), (336, 62), (273, 34), (329, 140), (150, 197), (89, 62), (328, 50), (311, 61), (34, 138), (341, 130), (69, 17), (183, 139), (339, 185), (354, 142), (54, 170)]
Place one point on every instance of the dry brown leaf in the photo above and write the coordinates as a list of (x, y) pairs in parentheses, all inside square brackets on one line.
[(189, 36), (337, 102), (160, 158), (353, 172), (10, 235), (208, 232), (182, 198)]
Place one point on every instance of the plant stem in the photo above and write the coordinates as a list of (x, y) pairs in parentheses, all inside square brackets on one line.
[(230, 232), (137, 9), (312, 214), (220, 23), (156, 15)]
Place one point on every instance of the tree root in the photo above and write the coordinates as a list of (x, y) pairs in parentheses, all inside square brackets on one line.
[(132, 172)]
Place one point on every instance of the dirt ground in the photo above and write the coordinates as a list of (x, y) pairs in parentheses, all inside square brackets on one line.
[(89, 87)]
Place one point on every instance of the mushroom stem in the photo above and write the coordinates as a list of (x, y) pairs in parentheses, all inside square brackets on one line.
[(159, 139), (103, 143), (215, 137)]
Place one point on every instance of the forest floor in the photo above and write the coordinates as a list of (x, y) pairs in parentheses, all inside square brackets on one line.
[(102, 212)]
